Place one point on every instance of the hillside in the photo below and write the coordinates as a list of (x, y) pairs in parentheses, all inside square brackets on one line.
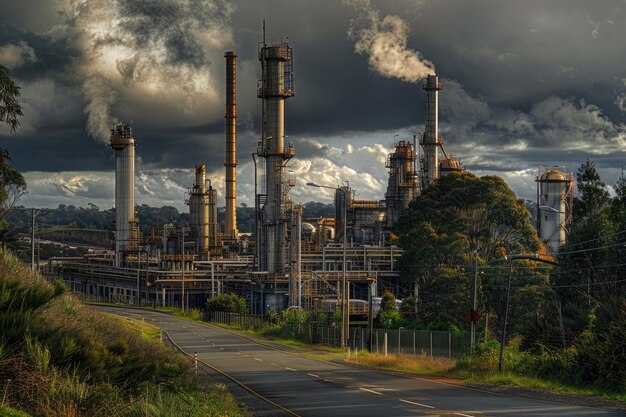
[(59, 357)]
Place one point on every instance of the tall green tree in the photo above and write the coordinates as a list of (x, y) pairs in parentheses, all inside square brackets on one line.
[(12, 183), (10, 108), (457, 215), (592, 191)]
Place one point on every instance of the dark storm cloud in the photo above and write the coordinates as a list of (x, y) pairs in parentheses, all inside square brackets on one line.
[(525, 82), (167, 22)]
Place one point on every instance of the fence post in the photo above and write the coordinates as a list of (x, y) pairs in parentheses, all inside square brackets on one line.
[(399, 342), (413, 342), (385, 344), (377, 351), (449, 344), (431, 344), (362, 340)]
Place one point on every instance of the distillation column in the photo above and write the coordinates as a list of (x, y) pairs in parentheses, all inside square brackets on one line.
[(431, 139), (230, 162), (123, 142), (199, 211), (275, 87)]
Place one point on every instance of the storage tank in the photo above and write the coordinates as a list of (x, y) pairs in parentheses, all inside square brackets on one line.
[(554, 207)]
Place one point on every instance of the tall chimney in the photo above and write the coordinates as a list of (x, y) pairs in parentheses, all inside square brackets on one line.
[(123, 142), (431, 140), (230, 162)]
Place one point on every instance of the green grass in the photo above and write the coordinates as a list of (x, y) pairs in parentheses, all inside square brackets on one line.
[(64, 358), (10, 412)]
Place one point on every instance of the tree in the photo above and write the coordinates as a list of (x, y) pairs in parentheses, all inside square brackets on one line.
[(457, 215), (388, 315), (12, 183), (592, 191), (231, 303), (10, 108)]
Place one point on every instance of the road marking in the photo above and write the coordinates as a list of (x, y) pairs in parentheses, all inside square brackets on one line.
[(462, 415), (373, 392), (221, 348), (313, 375), (274, 364), (421, 405), (257, 359), (291, 369)]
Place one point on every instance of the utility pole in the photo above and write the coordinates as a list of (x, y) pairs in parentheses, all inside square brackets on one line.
[(182, 250), (32, 238), (474, 302)]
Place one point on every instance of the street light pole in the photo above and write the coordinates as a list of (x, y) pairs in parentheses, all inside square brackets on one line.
[(345, 318), (474, 301), (182, 250)]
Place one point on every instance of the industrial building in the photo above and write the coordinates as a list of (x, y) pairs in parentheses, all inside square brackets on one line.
[(291, 260), (295, 261)]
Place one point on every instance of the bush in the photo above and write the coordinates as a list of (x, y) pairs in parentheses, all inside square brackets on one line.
[(231, 303)]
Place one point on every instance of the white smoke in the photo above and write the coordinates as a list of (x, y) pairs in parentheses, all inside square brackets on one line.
[(100, 96), (384, 40), (135, 52)]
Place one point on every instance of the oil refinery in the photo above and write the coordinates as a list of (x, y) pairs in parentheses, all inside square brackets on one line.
[(292, 261)]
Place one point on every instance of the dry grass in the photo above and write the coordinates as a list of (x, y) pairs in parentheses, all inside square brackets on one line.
[(420, 364)]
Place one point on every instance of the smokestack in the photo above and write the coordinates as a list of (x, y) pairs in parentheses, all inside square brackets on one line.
[(123, 142), (230, 162), (431, 140)]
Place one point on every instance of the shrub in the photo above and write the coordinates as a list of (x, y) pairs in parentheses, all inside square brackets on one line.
[(231, 303)]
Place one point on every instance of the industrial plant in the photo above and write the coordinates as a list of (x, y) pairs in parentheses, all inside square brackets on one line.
[(292, 261)]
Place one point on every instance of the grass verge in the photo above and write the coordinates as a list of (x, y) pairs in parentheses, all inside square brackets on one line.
[(59, 357)]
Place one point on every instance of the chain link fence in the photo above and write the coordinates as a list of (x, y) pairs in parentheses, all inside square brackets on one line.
[(412, 342)]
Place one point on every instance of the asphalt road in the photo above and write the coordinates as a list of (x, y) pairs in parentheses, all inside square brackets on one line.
[(308, 387)]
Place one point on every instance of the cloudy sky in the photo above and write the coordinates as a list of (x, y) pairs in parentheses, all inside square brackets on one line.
[(526, 83)]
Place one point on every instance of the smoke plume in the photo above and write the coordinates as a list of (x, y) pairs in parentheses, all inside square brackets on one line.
[(100, 97), (136, 52), (384, 40)]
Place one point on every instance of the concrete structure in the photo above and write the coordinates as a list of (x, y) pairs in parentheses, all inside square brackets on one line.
[(555, 194), (275, 86), (402, 185), (430, 141), (230, 162), (123, 142)]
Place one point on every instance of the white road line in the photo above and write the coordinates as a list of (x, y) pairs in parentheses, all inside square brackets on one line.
[(274, 364), (313, 375), (462, 415), (373, 392), (421, 405), (221, 348), (291, 369), (257, 359)]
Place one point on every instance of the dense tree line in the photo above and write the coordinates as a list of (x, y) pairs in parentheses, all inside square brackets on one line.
[(92, 217), (570, 320)]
